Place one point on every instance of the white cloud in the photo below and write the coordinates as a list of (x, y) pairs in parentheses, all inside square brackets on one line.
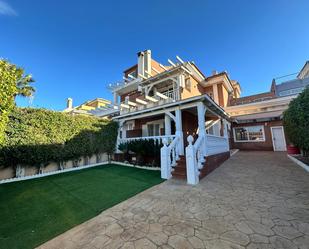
[(6, 9)]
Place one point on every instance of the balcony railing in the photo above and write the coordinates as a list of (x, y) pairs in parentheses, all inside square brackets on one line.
[(172, 97)]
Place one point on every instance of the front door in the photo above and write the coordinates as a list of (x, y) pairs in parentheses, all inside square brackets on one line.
[(277, 134)]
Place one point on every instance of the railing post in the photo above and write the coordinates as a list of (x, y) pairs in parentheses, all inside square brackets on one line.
[(192, 171), (165, 162)]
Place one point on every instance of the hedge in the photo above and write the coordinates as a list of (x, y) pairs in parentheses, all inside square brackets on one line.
[(8, 89), (296, 121), (36, 137)]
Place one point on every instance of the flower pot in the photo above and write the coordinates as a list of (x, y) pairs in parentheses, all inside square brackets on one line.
[(292, 150)]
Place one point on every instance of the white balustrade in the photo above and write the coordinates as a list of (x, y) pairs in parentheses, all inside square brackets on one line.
[(169, 156), (155, 138)]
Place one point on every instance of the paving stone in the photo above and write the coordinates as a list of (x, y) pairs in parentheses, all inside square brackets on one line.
[(282, 243), (196, 242), (158, 238), (179, 242), (144, 244), (205, 234), (260, 228), (243, 227), (221, 244), (256, 238), (236, 237), (287, 232)]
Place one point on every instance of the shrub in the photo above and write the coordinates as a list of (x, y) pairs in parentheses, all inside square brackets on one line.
[(146, 151), (296, 121), (36, 137)]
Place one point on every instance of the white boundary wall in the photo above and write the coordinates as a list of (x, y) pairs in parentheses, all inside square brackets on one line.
[(18, 179)]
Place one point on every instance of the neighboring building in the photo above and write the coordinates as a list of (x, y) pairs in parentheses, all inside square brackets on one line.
[(258, 118), (90, 107)]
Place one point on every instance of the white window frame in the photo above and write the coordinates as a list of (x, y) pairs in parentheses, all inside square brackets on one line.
[(159, 122), (249, 141), (130, 123)]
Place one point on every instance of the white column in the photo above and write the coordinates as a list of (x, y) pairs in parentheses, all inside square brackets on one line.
[(179, 131), (115, 98), (167, 125), (201, 109), (119, 139), (225, 134)]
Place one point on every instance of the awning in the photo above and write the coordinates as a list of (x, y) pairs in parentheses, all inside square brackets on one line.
[(263, 115)]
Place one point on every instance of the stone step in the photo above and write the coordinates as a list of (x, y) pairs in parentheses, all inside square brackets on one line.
[(179, 175)]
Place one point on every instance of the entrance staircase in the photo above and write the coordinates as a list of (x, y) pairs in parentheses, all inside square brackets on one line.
[(211, 163)]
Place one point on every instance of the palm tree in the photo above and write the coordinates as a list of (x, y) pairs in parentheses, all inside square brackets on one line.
[(23, 84)]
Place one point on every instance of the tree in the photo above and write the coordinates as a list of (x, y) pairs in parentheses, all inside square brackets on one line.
[(296, 121), (13, 82), (23, 84)]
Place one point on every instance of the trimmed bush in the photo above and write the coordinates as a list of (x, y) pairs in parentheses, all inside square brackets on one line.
[(36, 137), (296, 121)]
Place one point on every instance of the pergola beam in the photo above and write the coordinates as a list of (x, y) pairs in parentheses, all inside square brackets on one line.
[(162, 96), (151, 99), (179, 59), (132, 103), (172, 63), (143, 102)]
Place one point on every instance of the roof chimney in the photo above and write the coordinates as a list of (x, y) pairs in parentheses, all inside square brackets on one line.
[(69, 103), (144, 62), (214, 72)]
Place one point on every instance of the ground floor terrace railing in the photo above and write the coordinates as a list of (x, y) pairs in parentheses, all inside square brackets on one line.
[(169, 138)]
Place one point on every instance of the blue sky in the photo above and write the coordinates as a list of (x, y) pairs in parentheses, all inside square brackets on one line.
[(75, 48)]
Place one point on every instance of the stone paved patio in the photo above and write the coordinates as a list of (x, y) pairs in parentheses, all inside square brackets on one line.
[(255, 200)]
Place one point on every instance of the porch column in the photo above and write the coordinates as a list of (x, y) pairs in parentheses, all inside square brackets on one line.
[(119, 138), (179, 130), (115, 98), (201, 109), (225, 134), (167, 125)]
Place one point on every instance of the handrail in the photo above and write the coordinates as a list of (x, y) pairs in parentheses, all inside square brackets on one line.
[(210, 135)]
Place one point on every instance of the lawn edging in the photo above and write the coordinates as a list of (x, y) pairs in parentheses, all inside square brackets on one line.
[(23, 178), (136, 166), (299, 163)]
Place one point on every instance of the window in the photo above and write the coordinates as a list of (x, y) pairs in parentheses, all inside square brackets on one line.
[(130, 126), (249, 134), (188, 84), (153, 130)]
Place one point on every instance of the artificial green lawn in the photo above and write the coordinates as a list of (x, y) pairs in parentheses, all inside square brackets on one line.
[(35, 211)]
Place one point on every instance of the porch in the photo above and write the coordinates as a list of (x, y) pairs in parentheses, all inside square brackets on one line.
[(190, 132)]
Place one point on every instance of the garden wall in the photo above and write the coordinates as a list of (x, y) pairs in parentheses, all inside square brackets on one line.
[(9, 172)]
